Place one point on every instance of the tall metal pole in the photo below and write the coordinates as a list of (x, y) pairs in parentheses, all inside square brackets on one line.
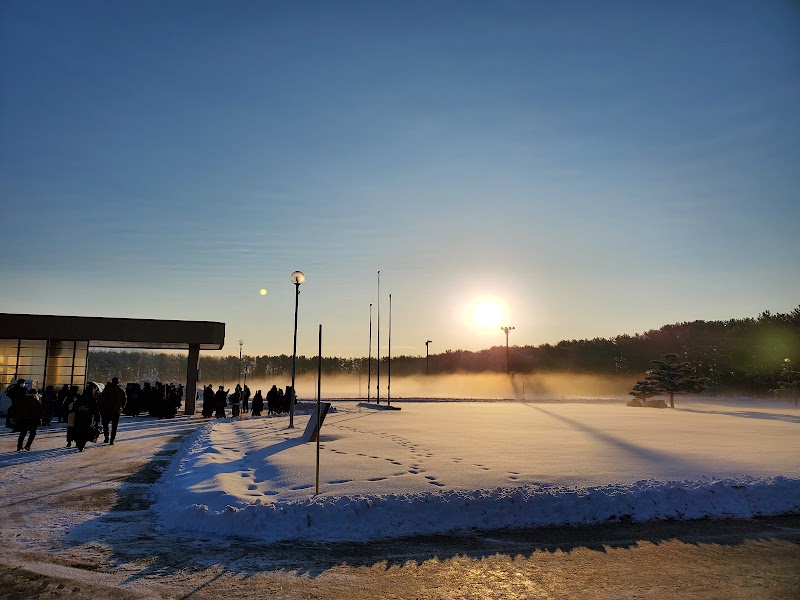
[(294, 354), (378, 349), (369, 360), (427, 371), (389, 384), (241, 343), (319, 395), (507, 329)]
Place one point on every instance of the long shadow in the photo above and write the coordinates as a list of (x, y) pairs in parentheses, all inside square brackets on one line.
[(746, 414), (639, 452)]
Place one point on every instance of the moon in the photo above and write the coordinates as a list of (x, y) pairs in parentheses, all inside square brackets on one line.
[(263, 292)]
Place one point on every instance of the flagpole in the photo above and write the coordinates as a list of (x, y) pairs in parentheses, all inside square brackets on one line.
[(369, 360), (378, 349), (389, 384)]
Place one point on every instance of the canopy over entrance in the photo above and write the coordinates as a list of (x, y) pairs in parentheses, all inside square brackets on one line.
[(53, 349)]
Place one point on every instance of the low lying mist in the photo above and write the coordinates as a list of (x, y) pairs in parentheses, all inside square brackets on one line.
[(478, 386)]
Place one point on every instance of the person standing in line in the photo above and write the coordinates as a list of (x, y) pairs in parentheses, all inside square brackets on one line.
[(112, 402), (258, 404), (87, 417), (61, 403), (49, 404), (70, 403), (220, 401), (29, 413), (208, 401), (246, 398), (236, 399), (273, 403)]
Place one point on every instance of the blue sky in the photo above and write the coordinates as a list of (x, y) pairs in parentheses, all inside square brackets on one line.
[(597, 168)]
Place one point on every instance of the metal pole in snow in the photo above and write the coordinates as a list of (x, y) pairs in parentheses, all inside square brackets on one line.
[(389, 384), (378, 350), (369, 360), (319, 394)]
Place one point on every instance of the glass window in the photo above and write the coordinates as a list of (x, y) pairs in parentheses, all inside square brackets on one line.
[(33, 343), (31, 361)]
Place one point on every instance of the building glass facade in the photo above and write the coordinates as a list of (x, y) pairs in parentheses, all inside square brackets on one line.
[(45, 362)]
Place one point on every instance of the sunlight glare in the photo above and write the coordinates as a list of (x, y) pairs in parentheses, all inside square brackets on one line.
[(488, 314)]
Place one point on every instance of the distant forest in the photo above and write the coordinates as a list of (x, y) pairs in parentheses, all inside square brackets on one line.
[(742, 355)]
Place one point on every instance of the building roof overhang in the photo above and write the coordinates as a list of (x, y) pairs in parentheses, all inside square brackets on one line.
[(109, 332)]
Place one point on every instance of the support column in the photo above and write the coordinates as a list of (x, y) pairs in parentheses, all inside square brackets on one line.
[(192, 372)]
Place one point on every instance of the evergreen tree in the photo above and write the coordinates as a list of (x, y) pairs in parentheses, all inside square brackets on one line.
[(645, 389), (671, 376), (789, 383)]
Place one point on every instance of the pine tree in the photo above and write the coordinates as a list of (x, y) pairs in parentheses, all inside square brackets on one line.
[(671, 376), (644, 389), (789, 383)]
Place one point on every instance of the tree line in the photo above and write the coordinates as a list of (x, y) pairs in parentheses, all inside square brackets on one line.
[(743, 355)]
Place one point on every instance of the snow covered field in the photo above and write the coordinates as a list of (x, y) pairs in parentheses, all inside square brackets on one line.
[(167, 510), (438, 467), (444, 466)]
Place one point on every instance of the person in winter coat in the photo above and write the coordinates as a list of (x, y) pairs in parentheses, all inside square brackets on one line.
[(17, 392), (273, 401), (258, 404), (246, 399), (208, 401), (29, 413), (69, 413), (235, 400), (87, 417), (49, 401), (61, 403), (112, 401), (220, 401)]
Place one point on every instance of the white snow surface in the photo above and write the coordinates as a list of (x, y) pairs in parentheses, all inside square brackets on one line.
[(435, 467)]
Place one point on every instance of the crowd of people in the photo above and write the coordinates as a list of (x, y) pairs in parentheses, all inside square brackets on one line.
[(88, 415), (215, 403), (157, 400), (95, 412)]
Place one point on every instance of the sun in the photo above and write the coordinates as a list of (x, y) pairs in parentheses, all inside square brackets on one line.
[(488, 314)]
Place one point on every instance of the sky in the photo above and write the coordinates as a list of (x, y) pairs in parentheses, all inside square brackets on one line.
[(592, 169), (389, 473)]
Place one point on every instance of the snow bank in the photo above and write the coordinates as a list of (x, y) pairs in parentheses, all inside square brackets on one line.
[(369, 517)]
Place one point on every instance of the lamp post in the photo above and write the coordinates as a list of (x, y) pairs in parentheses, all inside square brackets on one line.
[(787, 367), (297, 278), (241, 343), (507, 329), (427, 370)]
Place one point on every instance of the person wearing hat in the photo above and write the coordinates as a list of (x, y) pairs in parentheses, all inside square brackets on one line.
[(112, 401)]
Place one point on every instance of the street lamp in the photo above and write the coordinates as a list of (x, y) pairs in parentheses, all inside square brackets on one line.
[(296, 278), (427, 371), (787, 367), (507, 329), (241, 343)]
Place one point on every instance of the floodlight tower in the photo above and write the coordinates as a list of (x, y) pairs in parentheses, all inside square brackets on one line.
[(427, 370), (507, 329), (241, 343)]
